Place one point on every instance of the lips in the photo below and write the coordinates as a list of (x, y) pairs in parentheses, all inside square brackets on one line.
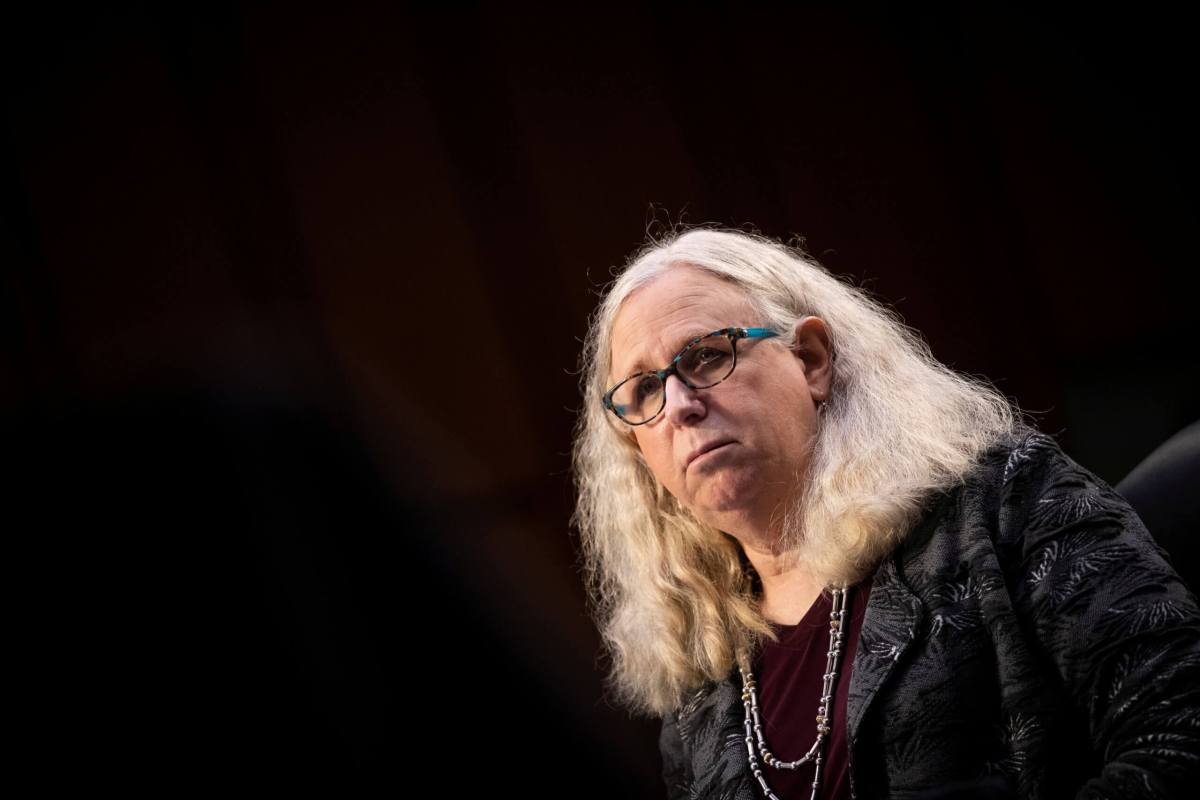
[(705, 448)]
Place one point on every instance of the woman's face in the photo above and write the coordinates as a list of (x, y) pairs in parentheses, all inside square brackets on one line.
[(755, 430)]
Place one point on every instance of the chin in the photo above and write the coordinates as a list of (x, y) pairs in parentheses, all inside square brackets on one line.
[(724, 514), (731, 495)]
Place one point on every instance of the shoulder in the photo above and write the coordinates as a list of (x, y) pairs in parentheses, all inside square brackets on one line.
[(1026, 479), (1023, 491), (1041, 495), (1057, 525), (1016, 457)]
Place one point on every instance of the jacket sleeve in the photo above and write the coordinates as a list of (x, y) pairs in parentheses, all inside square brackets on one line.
[(1120, 627), (674, 769)]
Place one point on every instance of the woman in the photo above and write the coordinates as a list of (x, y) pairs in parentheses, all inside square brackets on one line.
[(836, 568)]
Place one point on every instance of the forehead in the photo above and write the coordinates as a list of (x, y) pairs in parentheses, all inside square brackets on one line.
[(661, 316)]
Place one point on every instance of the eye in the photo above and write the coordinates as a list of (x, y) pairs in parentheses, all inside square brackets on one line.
[(704, 358), (646, 386)]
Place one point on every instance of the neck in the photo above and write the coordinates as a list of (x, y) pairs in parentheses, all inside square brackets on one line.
[(788, 590)]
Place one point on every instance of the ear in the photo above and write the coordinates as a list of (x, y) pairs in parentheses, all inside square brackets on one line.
[(812, 347)]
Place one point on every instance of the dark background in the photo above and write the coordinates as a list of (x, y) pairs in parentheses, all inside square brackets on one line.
[(292, 301)]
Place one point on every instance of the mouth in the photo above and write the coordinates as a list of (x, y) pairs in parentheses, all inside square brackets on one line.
[(705, 450)]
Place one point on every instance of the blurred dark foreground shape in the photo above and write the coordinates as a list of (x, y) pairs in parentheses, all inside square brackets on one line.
[(219, 590)]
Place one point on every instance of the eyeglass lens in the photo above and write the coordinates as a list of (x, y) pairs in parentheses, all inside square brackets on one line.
[(704, 364)]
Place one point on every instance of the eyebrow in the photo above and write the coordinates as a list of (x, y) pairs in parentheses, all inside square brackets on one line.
[(640, 364)]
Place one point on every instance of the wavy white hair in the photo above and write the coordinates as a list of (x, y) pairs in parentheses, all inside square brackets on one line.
[(671, 595)]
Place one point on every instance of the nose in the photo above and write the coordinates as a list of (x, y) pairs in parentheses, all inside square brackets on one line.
[(683, 404)]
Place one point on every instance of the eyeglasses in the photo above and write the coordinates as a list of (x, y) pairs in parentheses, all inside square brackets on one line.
[(702, 363)]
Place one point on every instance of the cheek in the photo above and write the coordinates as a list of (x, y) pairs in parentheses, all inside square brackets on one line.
[(658, 457)]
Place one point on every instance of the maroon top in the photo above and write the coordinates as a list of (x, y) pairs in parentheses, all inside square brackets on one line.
[(789, 677)]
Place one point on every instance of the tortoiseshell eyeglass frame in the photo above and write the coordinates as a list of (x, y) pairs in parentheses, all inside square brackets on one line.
[(734, 335)]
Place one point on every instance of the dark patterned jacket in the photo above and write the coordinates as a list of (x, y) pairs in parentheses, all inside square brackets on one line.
[(1027, 635)]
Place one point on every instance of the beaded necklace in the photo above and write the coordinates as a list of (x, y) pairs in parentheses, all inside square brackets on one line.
[(754, 732)]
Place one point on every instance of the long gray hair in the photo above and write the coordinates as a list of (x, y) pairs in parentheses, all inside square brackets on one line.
[(670, 594)]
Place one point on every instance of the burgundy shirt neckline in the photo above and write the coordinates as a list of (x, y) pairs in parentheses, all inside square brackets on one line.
[(789, 677)]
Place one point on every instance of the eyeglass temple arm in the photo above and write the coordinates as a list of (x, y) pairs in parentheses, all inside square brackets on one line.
[(758, 333)]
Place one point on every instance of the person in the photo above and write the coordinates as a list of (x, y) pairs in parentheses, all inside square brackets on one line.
[(836, 568)]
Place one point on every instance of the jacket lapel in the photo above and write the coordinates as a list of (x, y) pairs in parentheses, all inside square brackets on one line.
[(891, 624), (894, 620)]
